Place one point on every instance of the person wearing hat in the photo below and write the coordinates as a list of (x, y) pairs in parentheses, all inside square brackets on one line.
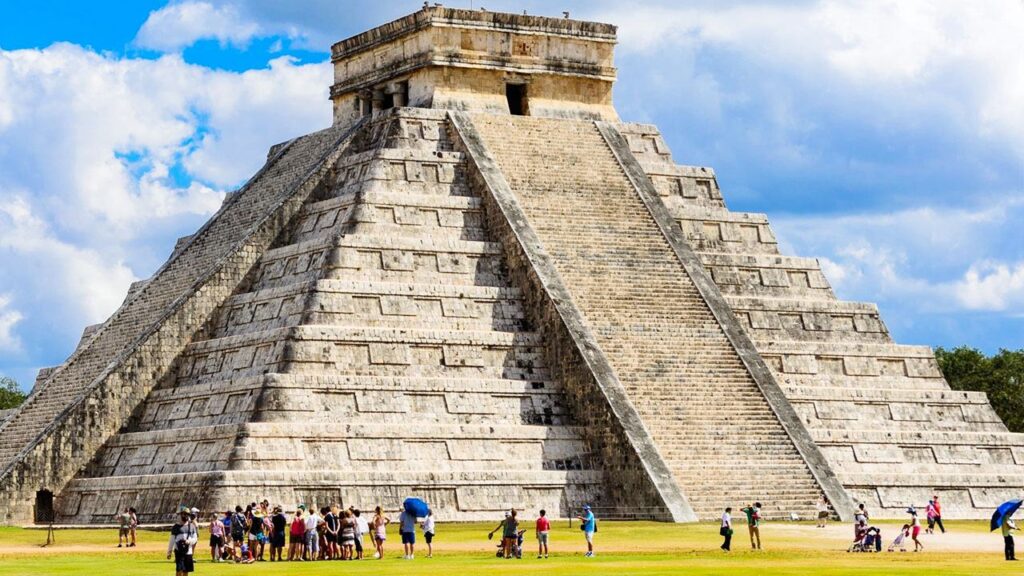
[(184, 536), (508, 526), (915, 528), (588, 524)]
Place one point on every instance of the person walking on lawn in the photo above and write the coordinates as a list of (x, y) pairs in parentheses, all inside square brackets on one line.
[(726, 529), (589, 525), (938, 513), (1008, 526), (754, 524)]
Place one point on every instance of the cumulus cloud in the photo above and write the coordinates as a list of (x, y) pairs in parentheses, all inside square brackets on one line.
[(9, 341), (992, 286), (181, 24), (105, 160), (934, 259)]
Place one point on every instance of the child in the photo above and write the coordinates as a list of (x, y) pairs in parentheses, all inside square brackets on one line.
[(900, 538), (428, 532), (216, 538)]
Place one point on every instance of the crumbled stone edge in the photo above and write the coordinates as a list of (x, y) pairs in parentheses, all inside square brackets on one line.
[(636, 474), (838, 497), (39, 465)]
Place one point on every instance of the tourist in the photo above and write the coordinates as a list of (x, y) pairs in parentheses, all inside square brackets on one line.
[(588, 524), (216, 538), (822, 511), (1008, 526), (312, 544), (348, 527), (278, 525), (726, 530), (428, 532), (330, 549), (134, 525), (901, 539), (380, 534), (184, 537), (754, 524), (938, 513), (508, 528), (407, 530), (238, 530), (296, 536), (124, 528), (362, 530), (915, 528), (543, 529), (930, 515), (257, 537)]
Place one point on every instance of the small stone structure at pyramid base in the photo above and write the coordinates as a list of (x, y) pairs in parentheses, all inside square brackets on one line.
[(482, 289)]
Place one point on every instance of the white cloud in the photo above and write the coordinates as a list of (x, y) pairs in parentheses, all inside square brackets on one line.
[(105, 160), (924, 260), (992, 286), (894, 59), (180, 24), (9, 341)]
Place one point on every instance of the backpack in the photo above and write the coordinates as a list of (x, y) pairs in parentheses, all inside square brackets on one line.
[(237, 526)]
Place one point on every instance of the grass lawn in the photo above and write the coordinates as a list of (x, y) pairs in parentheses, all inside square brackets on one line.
[(622, 548)]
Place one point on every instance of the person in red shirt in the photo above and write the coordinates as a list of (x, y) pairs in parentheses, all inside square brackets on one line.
[(938, 513), (543, 527)]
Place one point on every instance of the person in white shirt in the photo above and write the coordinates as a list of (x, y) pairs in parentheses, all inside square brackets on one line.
[(822, 511), (726, 530), (428, 532), (312, 541), (184, 537), (362, 529)]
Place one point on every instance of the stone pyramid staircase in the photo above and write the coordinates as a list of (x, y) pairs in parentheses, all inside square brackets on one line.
[(376, 351), (711, 423), (890, 426)]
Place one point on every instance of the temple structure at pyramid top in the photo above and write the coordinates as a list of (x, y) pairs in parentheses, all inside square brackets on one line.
[(481, 288), (477, 61)]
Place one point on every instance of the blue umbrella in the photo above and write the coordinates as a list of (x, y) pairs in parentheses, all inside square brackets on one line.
[(1003, 513)]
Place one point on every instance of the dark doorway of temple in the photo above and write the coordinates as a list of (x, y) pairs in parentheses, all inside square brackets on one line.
[(44, 507), (516, 96)]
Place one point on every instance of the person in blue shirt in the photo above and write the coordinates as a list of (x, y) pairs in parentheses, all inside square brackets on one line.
[(589, 525)]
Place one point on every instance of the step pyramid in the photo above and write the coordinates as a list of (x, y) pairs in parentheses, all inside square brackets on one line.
[(482, 288)]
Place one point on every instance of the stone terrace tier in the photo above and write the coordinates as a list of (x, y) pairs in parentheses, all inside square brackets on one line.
[(891, 428), (377, 352)]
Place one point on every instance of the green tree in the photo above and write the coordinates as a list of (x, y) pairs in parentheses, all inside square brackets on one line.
[(11, 395), (1000, 376)]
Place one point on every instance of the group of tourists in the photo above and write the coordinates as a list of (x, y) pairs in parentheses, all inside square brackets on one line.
[(513, 533), (127, 525), (259, 532), (866, 538)]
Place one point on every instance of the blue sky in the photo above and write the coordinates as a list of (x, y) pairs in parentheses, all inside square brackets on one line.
[(885, 138)]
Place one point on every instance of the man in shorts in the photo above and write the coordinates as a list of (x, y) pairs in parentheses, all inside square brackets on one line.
[(124, 529), (543, 527), (407, 528), (589, 525)]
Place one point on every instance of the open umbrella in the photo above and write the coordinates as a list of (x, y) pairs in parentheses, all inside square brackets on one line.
[(1005, 510)]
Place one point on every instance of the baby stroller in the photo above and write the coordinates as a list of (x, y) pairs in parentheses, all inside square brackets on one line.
[(870, 541), (517, 550)]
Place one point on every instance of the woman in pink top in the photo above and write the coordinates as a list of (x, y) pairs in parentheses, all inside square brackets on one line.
[(216, 538)]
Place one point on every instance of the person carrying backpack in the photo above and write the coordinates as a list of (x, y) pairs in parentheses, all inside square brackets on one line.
[(754, 524)]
